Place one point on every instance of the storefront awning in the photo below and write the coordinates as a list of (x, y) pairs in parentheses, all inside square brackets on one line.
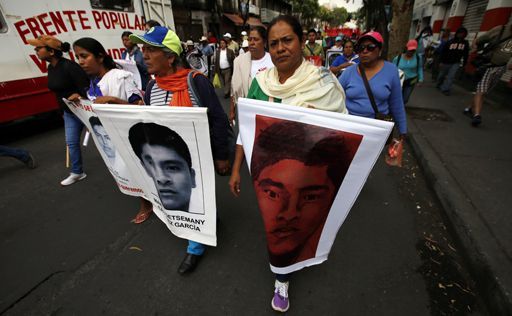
[(235, 19), (238, 21), (254, 22)]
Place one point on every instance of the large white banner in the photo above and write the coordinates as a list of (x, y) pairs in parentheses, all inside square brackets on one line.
[(107, 149), (308, 167), (168, 151)]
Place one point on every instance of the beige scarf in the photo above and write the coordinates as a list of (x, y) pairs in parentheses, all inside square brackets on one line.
[(310, 86)]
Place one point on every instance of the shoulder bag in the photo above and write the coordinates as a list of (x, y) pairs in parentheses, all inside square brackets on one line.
[(378, 115)]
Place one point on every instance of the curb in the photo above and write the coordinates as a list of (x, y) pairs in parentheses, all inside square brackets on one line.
[(487, 261)]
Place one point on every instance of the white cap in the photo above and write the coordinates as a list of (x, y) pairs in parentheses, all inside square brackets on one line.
[(244, 33), (245, 43), (203, 38), (228, 35), (190, 43)]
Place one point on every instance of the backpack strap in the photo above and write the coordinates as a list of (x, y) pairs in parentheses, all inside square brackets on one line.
[(147, 94), (417, 64), (398, 59), (192, 86), (310, 50)]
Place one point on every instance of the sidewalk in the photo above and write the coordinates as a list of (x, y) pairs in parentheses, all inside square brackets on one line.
[(470, 170)]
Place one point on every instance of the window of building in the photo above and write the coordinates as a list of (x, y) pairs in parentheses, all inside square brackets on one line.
[(3, 24), (117, 5)]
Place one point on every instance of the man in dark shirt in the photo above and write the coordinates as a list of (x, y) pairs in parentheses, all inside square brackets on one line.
[(453, 51)]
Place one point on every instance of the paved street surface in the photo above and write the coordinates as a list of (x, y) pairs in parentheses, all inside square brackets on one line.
[(73, 250), (470, 171)]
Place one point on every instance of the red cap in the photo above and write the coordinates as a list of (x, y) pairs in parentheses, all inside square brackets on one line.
[(372, 34), (412, 45)]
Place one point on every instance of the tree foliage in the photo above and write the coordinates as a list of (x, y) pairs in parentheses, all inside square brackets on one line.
[(386, 15), (305, 10), (335, 17)]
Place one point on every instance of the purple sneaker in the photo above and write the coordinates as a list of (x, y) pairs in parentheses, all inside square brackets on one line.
[(280, 300)]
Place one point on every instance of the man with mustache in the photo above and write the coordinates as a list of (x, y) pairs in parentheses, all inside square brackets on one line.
[(297, 170), (166, 158)]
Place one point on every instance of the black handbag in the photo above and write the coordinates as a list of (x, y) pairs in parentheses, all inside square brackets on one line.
[(378, 115)]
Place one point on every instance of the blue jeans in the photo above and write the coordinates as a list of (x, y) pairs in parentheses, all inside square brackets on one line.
[(73, 128), (283, 277), (195, 248), (407, 90), (18, 153), (446, 75)]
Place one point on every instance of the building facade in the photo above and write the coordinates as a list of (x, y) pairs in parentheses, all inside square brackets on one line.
[(194, 18), (478, 16)]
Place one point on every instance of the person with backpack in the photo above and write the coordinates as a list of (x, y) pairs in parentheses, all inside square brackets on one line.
[(175, 84), (410, 63), (313, 52), (495, 57)]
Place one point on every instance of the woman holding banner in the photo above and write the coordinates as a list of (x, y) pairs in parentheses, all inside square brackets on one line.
[(108, 84), (65, 78), (293, 81), (176, 84)]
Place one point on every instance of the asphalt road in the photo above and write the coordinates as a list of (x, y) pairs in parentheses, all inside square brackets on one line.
[(73, 251)]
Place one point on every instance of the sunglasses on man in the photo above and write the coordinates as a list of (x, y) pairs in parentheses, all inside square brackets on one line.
[(369, 47)]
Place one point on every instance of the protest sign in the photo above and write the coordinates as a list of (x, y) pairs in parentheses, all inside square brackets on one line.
[(308, 167), (168, 151), (108, 151)]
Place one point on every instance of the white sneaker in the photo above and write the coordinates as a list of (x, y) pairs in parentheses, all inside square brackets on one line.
[(280, 301), (72, 178)]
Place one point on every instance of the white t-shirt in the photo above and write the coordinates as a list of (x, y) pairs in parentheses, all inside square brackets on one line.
[(118, 83), (261, 64), (223, 59)]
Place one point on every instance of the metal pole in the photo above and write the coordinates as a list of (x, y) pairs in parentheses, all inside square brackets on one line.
[(149, 8), (163, 12)]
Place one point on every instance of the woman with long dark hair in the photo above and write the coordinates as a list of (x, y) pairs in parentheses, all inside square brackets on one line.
[(108, 84), (65, 78)]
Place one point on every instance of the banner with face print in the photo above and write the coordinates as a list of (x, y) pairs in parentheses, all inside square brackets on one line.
[(307, 167), (108, 151), (168, 152)]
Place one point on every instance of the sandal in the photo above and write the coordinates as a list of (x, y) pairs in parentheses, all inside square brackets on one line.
[(142, 216)]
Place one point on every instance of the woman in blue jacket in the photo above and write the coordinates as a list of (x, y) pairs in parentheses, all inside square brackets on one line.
[(383, 81)]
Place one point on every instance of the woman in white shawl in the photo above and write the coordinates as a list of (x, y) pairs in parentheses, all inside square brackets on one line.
[(296, 82)]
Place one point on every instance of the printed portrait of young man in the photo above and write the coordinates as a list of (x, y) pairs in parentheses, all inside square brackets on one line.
[(297, 169), (166, 158), (103, 139)]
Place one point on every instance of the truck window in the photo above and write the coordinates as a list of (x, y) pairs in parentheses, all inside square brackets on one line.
[(3, 24), (117, 5)]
